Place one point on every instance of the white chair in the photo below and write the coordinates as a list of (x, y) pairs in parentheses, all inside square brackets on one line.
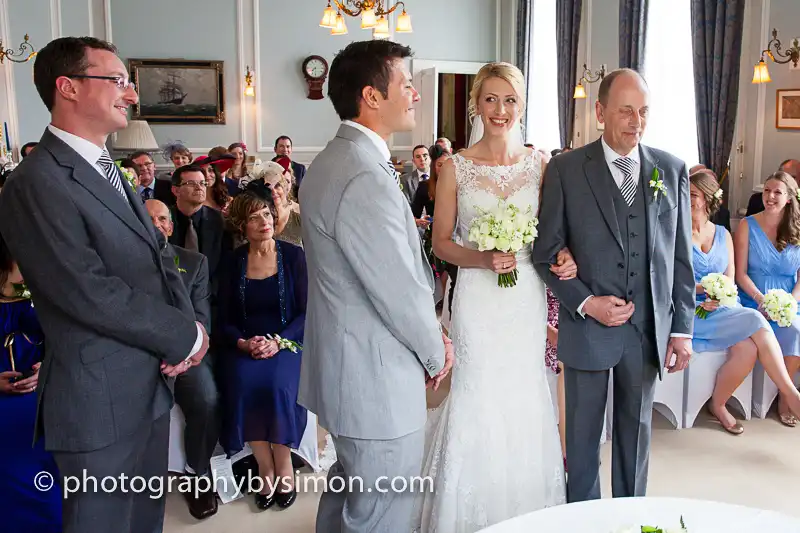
[(701, 376), (308, 450), (764, 391), (670, 397)]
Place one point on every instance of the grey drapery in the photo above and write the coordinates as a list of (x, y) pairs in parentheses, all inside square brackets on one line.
[(632, 33), (568, 27)]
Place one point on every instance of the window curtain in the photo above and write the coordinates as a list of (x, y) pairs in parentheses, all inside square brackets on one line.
[(632, 34), (717, 27), (568, 24), (523, 41)]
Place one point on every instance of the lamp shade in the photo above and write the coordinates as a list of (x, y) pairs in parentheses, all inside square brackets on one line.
[(383, 25), (580, 92), (368, 20), (404, 23), (761, 73), (341, 27), (137, 136), (328, 17)]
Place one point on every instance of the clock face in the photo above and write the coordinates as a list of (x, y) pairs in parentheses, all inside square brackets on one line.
[(316, 68)]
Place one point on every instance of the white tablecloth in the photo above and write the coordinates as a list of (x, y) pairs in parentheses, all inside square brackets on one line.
[(610, 515)]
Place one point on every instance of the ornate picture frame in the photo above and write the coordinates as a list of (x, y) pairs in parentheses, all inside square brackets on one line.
[(787, 109), (178, 91)]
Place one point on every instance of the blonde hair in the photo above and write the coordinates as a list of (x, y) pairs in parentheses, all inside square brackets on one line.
[(706, 182), (789, 226), (504, 71)]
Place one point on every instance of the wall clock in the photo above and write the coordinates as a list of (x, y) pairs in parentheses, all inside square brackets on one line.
[(315, 70)]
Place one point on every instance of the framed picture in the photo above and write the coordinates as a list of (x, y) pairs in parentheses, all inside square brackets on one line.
[(787, 110), (178, 91)]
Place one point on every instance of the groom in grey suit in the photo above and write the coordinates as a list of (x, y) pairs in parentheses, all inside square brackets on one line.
[(622, 209), (372, 337)]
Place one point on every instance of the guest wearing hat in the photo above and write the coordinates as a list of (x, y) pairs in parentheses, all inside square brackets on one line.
[(217, 195)]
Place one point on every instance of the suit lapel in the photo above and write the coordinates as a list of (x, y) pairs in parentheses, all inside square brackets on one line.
[(649, 164), (602, 184)]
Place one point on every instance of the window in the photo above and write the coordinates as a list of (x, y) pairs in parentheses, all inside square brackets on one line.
[(672, 125), (542, 112)]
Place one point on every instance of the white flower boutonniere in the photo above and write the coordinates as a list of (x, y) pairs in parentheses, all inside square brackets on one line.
[(657, 184), (178, 265), (128, 175)]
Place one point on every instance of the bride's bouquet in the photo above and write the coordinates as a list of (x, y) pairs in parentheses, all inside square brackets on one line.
[(780, 307), (505, 228), (718, 287)]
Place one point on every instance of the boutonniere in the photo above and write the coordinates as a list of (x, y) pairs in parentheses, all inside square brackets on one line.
[(178, 265), (128, 175), (22, 291), (657, 184)]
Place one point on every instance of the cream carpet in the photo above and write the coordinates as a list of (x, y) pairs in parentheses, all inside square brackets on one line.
[(758, 469)]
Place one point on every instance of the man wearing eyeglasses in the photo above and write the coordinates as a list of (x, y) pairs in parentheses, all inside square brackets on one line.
[(118, 323), (198, 227)]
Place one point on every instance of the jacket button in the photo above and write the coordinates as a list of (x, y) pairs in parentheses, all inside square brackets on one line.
[(620, 265), (633, 274)]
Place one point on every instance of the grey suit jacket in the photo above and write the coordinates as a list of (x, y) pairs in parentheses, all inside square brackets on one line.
[(371, 329), (193, 270), (577, 212), (410, 182), (109, 309)]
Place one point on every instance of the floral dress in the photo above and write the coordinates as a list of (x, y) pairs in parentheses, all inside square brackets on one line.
[(551, 353)]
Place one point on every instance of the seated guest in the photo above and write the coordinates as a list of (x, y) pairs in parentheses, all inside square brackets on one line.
[(217, 196), (197, 227), (195, 390), (262, 293), (722, 217), (287, 225), (151, 188), (177, 153), (768, 257), (27, 148), (283, 148), (445, 144), (422, 170), (239, 168), (742, 331), (24, 507), (696, 168), (756, 202)]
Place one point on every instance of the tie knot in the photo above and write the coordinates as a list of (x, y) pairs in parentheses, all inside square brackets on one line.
[(625, 164)]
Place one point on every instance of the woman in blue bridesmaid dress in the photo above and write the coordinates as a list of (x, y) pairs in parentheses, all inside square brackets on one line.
[(768, 257), (743, 332), (22, 506)]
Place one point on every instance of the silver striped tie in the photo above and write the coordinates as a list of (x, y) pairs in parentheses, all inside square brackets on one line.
[(394, 172), (628, 187), (112, 173)]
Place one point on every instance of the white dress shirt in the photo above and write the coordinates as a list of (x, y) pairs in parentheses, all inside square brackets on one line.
[(376, 139), (619, 177), (91, 153)]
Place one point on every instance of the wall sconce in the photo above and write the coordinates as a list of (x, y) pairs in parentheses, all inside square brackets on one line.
[(11, 55), (589, 77), (249, 90), (761, 72)]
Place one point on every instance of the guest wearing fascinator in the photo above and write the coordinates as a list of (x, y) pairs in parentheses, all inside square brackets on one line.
[(274, 180), (283, 148), (217, 195), (177, 153), (263, 290), (24, 507)]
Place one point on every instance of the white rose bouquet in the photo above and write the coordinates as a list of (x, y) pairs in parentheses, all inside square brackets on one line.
[(780, 307), (655, 529), (718, 287), (505, 228)]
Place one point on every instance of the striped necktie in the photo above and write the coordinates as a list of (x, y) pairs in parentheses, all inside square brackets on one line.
[(394, 173), (112, 173), (628, 187)]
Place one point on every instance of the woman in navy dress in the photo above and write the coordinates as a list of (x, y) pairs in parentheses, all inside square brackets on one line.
[(768, 257), (743, 332), (22, 507), (262, 292)]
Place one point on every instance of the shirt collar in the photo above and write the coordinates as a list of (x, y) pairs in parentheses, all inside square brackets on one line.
[(86, 149), (612, 156), (376, 139)]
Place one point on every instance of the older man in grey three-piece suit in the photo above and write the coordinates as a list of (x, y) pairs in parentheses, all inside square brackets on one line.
[(623, 211), (372, 337)]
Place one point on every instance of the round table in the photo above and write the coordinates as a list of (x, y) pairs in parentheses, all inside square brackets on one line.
[(612, 515)]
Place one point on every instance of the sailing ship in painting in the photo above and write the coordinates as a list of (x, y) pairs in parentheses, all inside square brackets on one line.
[(171, 92)]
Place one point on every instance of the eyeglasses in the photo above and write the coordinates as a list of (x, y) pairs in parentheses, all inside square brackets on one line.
[(122, 82), (195, 184)]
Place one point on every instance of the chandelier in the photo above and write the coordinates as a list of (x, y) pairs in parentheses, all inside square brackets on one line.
[(26, 52), (373, 16)]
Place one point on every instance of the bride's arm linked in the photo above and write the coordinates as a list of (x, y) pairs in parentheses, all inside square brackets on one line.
[(445, 214)]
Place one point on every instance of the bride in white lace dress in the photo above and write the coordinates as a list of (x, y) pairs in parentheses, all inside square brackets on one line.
[(494, 450)]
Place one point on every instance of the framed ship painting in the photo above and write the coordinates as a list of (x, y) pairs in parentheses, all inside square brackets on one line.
[(178, 91)]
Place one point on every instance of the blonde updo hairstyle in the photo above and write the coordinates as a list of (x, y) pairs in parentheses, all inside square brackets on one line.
[(706, 183), (504, 71)]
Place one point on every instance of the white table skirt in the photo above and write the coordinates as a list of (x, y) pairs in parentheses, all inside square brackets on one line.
[(612, 515)]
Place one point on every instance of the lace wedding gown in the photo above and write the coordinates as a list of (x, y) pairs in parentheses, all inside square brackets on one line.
[(493, 447)]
